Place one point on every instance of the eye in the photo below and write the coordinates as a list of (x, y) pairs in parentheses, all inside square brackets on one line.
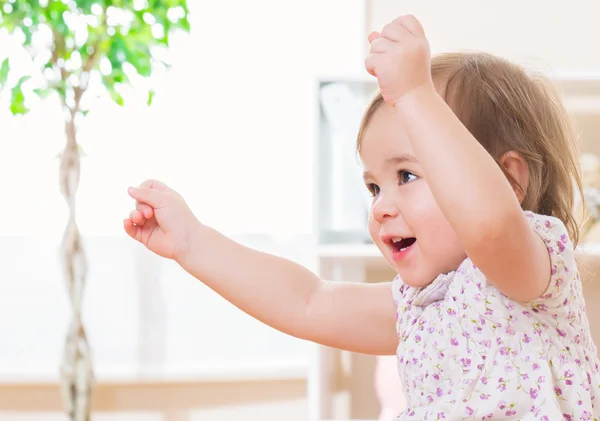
[(405, 177), (373, 189)]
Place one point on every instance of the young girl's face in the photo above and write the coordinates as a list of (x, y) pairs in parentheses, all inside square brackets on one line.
[(405, 221)]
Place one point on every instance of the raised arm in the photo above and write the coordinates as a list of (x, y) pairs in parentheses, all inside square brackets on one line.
[(469, 187), (292, 299)]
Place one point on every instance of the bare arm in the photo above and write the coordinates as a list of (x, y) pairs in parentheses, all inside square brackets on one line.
[(293, 300), (475, 197)]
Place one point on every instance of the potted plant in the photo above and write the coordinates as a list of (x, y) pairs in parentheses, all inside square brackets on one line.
[(75, 44)]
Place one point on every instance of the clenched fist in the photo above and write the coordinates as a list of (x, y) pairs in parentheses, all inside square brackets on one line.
[(162, 221), (400, 58)]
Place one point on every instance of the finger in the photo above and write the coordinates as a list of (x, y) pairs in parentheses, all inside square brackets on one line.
[(147, 195), (370, 65), (137, 217), (146, 211), (381, 45), (412, 24), (132, 230), (154, 184), (373, 36), (394, 31)]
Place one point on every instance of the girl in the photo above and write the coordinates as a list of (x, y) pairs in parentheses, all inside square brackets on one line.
[(471, 165)]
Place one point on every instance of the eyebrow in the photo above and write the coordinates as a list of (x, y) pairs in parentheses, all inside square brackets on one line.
[(400, 159)]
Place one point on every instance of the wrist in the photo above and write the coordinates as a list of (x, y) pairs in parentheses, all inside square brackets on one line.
[(418, 95), (192, 245)]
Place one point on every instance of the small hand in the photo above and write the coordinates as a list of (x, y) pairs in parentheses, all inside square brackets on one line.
[(161, 220), (400, 58)]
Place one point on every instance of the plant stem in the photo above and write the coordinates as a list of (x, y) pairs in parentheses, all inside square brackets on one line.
[(76, 371)]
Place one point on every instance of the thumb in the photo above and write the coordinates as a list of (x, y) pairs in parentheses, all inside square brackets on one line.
[(147, 195)]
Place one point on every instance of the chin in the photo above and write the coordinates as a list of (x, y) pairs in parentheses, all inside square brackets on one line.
[(414, 280)]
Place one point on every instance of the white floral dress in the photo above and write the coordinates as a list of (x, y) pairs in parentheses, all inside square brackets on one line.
[(467, 352)]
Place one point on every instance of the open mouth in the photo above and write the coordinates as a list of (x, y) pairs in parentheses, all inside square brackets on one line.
[(403, 244)]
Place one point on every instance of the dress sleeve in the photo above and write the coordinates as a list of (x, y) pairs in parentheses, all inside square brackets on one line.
[(564, 276)]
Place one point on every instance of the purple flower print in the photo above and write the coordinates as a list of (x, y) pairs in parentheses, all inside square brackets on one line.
[(486, 343), (526, 338), (454, 341), (439, 392), (533, 393), (470, 411), (558, 391)]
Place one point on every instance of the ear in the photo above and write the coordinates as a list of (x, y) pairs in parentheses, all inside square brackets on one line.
[(514, 164)]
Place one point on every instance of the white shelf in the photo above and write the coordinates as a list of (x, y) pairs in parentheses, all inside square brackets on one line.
[(234, 371)]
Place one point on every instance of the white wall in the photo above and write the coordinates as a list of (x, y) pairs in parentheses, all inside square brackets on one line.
[(561, 35), (210, 133)]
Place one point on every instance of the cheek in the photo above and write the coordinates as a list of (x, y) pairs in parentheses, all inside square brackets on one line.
[(374, 228), (428, 222)]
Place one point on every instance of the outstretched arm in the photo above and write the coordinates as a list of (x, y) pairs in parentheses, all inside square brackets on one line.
[(290, 298)]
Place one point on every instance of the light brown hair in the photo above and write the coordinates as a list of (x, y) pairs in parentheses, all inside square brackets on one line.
[(507, 109)]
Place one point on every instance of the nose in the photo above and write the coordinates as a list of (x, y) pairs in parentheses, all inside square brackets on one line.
[(384, 208)]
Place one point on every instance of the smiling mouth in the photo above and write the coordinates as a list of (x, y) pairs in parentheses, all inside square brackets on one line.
[(403, 244)]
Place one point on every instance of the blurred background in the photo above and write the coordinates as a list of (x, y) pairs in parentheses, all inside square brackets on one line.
[(254, 123)]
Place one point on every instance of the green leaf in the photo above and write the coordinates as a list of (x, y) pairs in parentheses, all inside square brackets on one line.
[(42, 93), (116, 97), (4, 71), (150, 97), (17, 102)]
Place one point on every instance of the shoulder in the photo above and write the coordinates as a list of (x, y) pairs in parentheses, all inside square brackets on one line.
[(564, 274), (552, 230), (399, 289)]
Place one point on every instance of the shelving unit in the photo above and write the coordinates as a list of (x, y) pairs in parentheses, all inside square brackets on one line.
[(353, 260)]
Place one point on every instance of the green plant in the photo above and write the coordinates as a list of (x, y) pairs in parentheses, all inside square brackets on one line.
[(75, 44)]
